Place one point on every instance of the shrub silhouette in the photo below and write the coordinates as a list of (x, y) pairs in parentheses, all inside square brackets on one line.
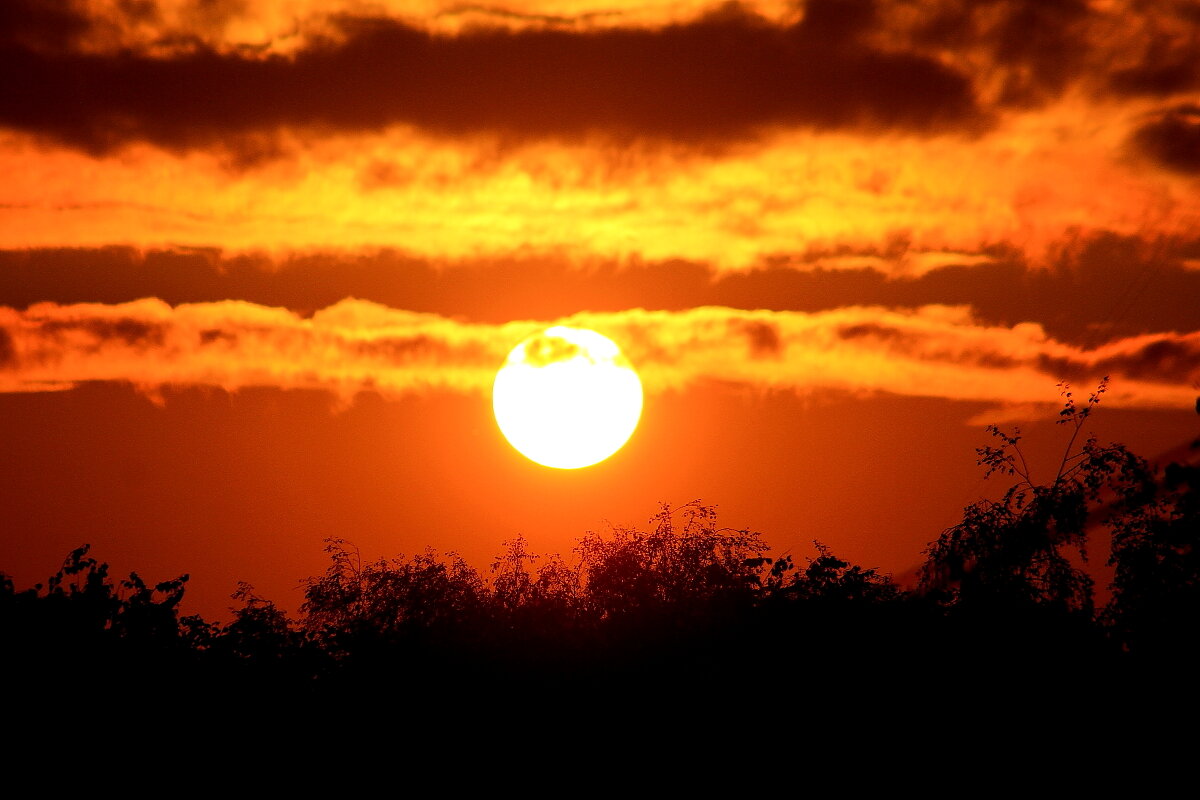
[(708, 606), (84, 632), (82, 606), (830, 581), (390, 598), (1016, 551), (685, 567), (1019, 563), (1155, 606)]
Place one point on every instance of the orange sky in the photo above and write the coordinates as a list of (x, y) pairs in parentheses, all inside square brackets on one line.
[(260, 260)]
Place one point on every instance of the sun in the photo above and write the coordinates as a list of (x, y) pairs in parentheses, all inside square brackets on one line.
[(567, 398)]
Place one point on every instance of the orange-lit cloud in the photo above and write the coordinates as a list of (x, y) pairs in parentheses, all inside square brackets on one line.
[(937, 351), (734, 136), (783, 197), (730, 135), (1092, 289)]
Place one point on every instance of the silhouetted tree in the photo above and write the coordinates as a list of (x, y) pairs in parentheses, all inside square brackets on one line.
[(676, 600), (260, 631), (1017, 552), (82, 608), (688, 568), (407, 615), (831, 580), (537, 602), (82, 632), (1155, 606), (1017, 565), (683, 607)]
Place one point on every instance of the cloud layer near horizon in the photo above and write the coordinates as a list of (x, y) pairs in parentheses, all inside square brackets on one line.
[(353, 346)]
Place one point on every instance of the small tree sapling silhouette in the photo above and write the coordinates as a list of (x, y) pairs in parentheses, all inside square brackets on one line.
[(1017, 551)]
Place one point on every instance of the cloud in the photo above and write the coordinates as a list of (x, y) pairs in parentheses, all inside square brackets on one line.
[(720, 77), (1158, 79), (345, 348), (1090, 289), (1159, 50), (1058, 172), (282, 26), (733, 138), (7, 351), (202, 74), (1172, 139), (1029, 50), (41, 26), (353, 346)]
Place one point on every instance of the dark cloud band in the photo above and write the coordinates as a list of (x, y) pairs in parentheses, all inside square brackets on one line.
[(717, 78), (1092, 290), (1172, 139)]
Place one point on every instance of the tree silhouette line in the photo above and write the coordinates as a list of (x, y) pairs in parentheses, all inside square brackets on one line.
[(683, 603)]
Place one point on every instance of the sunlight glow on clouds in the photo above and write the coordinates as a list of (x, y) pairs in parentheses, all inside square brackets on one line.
[(934, 351), (598, 129), (791, 193), (282, 26)]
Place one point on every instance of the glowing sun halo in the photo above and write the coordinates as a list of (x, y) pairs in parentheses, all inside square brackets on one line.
[(567, 398)]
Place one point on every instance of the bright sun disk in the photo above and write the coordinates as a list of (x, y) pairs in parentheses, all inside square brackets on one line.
[(567, 398)]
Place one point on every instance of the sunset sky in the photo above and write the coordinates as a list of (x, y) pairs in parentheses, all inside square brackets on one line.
[(260, 262)]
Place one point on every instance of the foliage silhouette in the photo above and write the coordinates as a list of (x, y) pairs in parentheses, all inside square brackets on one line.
[(1155, 606), (397, 598), (830, 580), (82, 605), (693, 567), (682, 603), (84, 632), (1016, 551), (1020, 563)]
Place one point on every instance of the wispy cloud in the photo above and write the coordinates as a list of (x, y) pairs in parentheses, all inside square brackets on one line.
[(938, 351)]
